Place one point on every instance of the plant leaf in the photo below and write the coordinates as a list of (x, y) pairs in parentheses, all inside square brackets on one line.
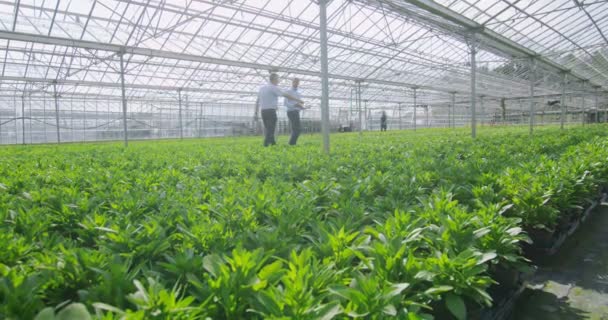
[(481, 232), (390, 310), (425, 275), (396, 289), (212, 264), (46, 314), (486, 257), (439, 289), (456, 305), (329, 311), (514, 231), (107, 307), (74, 311)]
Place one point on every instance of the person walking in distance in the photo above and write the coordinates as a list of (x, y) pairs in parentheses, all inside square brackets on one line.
[(293, 111), (268, 101), (383, 121)]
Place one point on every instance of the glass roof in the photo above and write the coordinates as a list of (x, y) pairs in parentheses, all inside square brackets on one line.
[(224, 49)]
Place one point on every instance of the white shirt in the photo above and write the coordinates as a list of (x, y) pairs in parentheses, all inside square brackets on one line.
[(291, 105), (268, 96)]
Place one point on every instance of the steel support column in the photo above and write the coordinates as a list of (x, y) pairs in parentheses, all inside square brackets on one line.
[(473, 85), (606, 110), (124, 99), (46, 139), (31, 117), (562, 117), (96, 131), (179, 114), (583, 107), (415, 111), (400, 122), (200, 119), (15, 122), (532, 103), (597, 107), (449, 115), (187, 107), (324, 74), (56, 112), (84, 129), (359, 108), (453, 101), (521, 112), (23, 118), (366, 115), (483, 111), (109, 116)]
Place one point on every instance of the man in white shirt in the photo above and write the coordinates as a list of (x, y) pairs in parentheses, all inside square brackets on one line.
[(293, 111), (268, 102)]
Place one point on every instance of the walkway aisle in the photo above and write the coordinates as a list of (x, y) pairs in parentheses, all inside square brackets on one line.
[(574, 284)]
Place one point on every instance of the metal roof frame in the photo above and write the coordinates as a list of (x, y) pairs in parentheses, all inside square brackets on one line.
[(394, 45)]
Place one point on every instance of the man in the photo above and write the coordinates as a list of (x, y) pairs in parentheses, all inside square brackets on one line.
[(383, 121), (268, 101), (293, 111)]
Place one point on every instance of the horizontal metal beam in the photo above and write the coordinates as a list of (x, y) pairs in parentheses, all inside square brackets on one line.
[(487, 37), (420, 58), (159, 87), (84, 98), (84, 44), (242, 81), (575, 93)]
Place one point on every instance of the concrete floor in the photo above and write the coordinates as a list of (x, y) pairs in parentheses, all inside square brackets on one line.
[(573, 284)]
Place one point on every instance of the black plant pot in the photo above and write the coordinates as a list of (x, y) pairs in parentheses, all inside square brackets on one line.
[(565, 221), (441, 312), (541, 238), (507, 278)]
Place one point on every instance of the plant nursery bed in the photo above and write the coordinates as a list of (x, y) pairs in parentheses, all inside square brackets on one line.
[(503, 306), (401, 227), (505, 300), (505, 297), (547, 244)]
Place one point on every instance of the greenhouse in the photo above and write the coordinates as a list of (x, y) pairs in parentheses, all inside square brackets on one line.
[(134, 183), (192, 69)]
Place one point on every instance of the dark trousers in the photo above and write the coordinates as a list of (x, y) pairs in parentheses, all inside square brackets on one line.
[(296, 127), (269, 118), (383, 126)]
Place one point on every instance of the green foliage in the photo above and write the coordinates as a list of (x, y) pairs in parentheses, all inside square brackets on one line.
[(456, 306), (74, 311), (388, 226)]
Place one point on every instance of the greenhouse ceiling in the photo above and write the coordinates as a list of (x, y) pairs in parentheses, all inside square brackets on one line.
[(224, 49)]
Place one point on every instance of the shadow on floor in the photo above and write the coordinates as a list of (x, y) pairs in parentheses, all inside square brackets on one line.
[(583, 259), (547, 306), (573, 284)]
